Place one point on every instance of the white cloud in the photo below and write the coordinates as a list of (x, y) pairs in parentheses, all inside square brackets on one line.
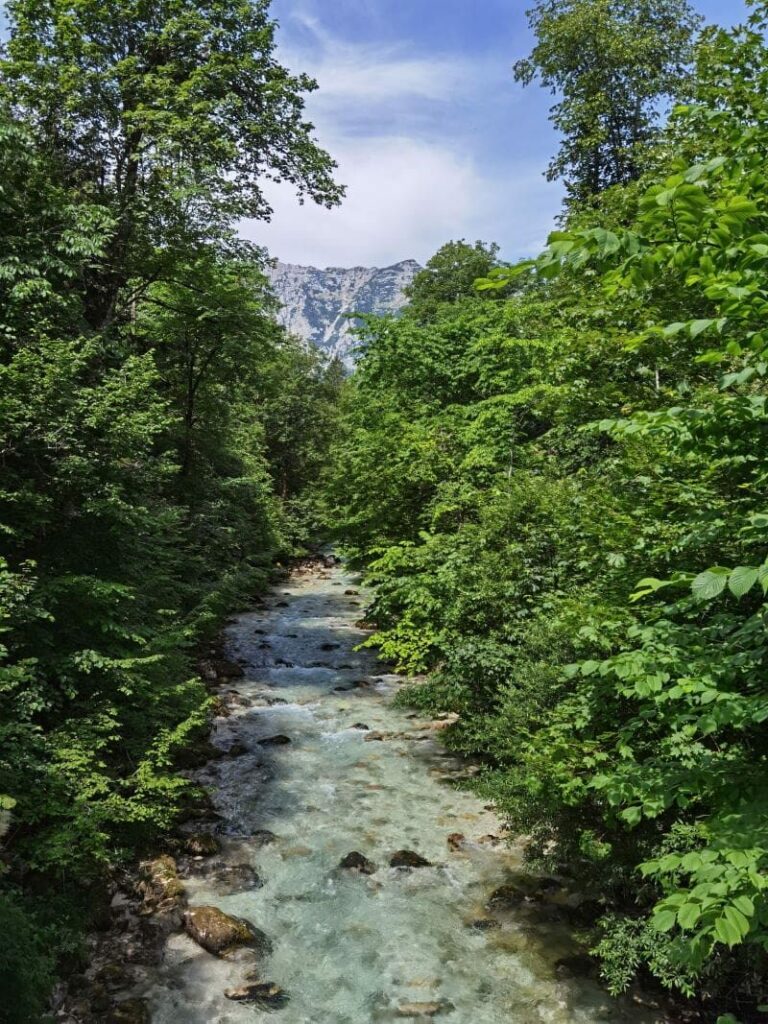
[(406, 197), (357, 73), (398, 125), (403, 196)]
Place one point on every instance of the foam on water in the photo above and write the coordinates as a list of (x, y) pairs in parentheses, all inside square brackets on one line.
[(348, 948)]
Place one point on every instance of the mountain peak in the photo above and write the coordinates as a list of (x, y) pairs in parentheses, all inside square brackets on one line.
[(316, 303)]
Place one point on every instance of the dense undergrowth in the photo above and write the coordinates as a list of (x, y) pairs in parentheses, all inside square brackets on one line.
[(157, 429), (556, 480)]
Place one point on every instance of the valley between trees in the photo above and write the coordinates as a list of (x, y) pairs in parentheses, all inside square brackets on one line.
[(552, 472)]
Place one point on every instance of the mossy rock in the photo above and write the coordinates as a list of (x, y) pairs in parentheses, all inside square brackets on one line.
[(160, 880), (220, 933)]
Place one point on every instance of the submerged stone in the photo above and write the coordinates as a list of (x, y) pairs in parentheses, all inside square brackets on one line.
[(275, 741), (356, 861), (262, 837), (129, 1011), (423, 1010), (408, 859), (231, 878), (262, 993)]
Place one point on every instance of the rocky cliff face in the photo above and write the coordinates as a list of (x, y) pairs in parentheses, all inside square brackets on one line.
[(315, 301)]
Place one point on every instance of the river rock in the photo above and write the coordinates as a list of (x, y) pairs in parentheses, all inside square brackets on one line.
[(114, 974), (262, 993), (231, 878), (351, 593), (408, 859), (357, 862), (159, 882), (422, 1010), (219, 933), (483, 923), (202, 844), (506, 897), (362, 726), (262, 837), (456, 841), (129, 1011), (374, 737), (198, 752), (228, 669), (582, 914), (275, 741)]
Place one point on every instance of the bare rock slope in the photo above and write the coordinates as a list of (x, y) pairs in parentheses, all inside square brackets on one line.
[(316, 302)]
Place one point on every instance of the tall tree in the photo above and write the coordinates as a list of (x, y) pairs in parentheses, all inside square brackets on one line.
[(170, 113), (614, 64), (450, 275)]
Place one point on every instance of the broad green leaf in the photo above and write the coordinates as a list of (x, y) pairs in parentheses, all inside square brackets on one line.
[(708, 585), (664, 920), (688, 915), (742, 579)]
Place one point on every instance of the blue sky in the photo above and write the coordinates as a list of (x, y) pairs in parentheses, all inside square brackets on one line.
[(433, 137)]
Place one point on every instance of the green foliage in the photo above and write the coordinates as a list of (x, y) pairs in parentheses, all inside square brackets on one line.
[(26, 970), (613, 64), (449, 276), (148, 436), (509, 470)]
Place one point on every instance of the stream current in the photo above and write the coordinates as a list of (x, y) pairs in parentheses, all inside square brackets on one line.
[(350, 948)]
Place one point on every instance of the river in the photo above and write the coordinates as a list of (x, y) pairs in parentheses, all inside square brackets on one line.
[(351, 948)]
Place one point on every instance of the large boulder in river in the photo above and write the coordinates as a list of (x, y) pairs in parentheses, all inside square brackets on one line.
[(220, 934), (408, 859)]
